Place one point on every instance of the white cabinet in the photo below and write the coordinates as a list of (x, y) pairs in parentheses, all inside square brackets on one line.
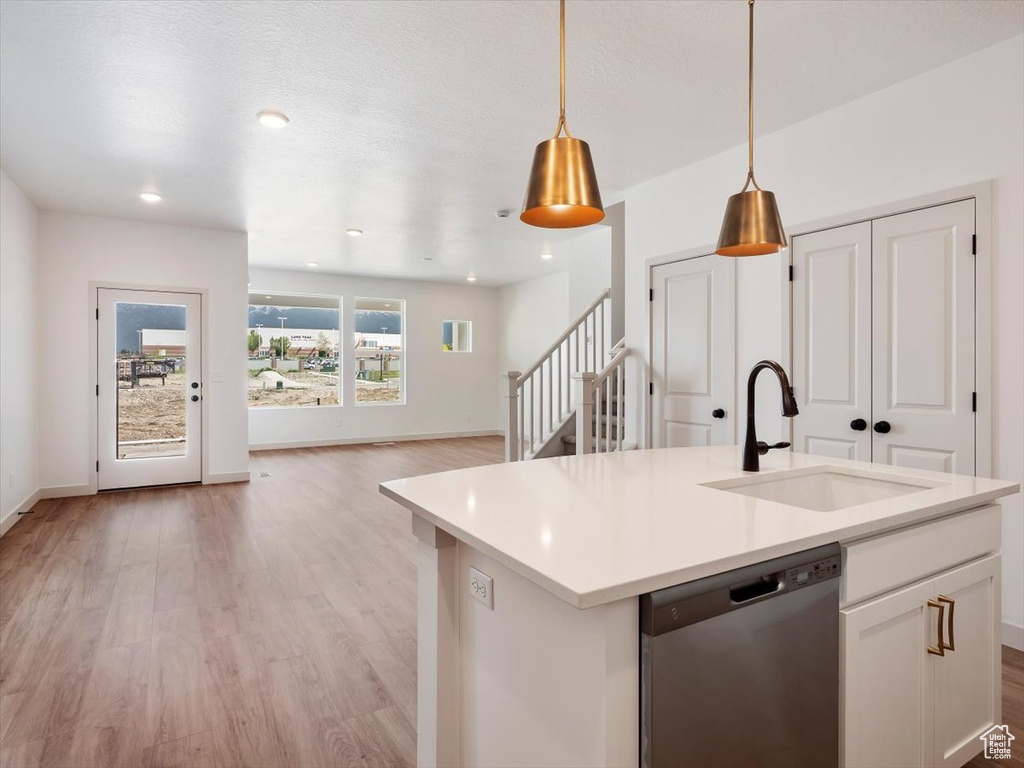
[(917, 692), (967, 680), (884, 340)]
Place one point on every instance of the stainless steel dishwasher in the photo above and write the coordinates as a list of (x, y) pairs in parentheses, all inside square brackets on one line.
[(742, 668)]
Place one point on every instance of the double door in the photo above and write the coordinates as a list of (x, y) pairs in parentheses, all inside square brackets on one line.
[(884, 340)]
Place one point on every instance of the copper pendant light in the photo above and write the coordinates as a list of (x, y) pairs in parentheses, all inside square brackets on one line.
[(752, 225), (562, 191)]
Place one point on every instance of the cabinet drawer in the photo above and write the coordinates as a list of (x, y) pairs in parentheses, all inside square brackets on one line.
[(884, 563)]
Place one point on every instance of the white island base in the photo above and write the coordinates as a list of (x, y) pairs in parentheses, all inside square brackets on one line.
[(532, 682), (545, 670)]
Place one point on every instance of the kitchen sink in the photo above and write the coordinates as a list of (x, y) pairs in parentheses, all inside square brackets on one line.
[(824, 488)]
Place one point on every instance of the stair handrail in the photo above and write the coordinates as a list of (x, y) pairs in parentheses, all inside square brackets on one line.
[(588, 388), (564, 337), (581, 347)]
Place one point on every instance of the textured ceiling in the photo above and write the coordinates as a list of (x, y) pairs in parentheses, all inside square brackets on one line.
[(415, 121)]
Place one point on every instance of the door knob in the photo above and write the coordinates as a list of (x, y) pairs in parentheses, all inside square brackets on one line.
[(195, 385), (882, 427), (195, 398), (858, 425), (718, 413)]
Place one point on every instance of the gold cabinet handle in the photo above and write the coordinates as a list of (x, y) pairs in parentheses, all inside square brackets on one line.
[(941, 650), (949, 623)]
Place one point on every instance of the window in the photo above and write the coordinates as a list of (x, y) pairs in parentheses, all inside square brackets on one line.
[(378, 350), (456, 335), (293, 350)]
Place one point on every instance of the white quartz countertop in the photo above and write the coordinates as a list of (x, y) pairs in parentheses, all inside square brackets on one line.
[(598, 528)]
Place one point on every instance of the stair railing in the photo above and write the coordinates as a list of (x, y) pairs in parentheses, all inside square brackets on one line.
[(600, 398), (540, 398)]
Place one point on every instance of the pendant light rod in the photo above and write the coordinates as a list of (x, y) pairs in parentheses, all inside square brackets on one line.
[(562, 124), (750, 100), (561, 58)]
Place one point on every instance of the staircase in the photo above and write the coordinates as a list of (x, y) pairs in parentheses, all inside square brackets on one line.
[(572, 399)]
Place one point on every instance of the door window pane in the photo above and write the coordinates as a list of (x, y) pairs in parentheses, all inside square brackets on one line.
[(378, 351), (293, 351), (151, 386), (457, 336)]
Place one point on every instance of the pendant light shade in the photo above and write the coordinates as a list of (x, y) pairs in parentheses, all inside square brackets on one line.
[(752, 225), (563, 186), (562, 191)]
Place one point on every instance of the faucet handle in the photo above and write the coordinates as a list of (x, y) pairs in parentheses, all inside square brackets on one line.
[(763, 447)]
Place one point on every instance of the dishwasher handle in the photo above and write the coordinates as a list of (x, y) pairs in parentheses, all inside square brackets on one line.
[(766, 585), (682, 605)]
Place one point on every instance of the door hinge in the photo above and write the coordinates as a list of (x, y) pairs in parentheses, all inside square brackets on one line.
[(974, 245), (974, 402), (97, 313), (652, 387), (97, 390), (97, 466), (791, 273), (651, 295)]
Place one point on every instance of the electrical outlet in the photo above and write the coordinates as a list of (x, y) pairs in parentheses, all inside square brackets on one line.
[(481, 587)]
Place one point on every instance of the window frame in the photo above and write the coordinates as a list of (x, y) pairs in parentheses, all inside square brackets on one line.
[(402, 350), (469, 326), (279, 299)]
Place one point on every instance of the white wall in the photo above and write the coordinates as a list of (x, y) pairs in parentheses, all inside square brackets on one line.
[(76, 249), (532, 314), (19, 467), (445, 393), (955, 125), (590, 268)]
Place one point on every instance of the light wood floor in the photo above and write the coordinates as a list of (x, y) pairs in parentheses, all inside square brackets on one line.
[(260, 625), (267, 624)]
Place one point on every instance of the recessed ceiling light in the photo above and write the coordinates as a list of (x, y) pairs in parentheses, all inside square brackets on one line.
[(312, 263), (354, 232), (471, 278), (272, 119), (547, 256), (387, 305), (151, 197)]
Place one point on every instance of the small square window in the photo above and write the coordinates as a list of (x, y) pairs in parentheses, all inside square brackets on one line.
[(457, 335)]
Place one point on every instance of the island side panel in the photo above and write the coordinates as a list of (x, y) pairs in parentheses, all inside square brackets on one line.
[(437, 647), (543, 683)]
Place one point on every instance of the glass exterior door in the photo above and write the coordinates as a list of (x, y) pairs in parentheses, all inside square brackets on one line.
[(149, 388)]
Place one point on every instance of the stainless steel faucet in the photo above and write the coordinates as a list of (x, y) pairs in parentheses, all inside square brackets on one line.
[(753, 448)]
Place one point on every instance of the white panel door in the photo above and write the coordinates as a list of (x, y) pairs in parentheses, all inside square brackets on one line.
[(886, 702), (967, 679), (832, 342), (923, 339), (693, 353), (149, 388)]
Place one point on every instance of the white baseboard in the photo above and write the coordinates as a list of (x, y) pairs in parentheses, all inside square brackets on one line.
[(12, 517), (1013, 636), (227, 477), (370, 440), (63, 491)]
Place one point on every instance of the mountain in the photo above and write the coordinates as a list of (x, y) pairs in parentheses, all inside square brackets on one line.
[(367, 321), (132, 318)]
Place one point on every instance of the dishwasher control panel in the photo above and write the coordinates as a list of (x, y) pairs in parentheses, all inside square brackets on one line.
[(813, 573)]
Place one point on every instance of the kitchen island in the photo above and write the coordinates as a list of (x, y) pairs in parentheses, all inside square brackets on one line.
[(530, 574)]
